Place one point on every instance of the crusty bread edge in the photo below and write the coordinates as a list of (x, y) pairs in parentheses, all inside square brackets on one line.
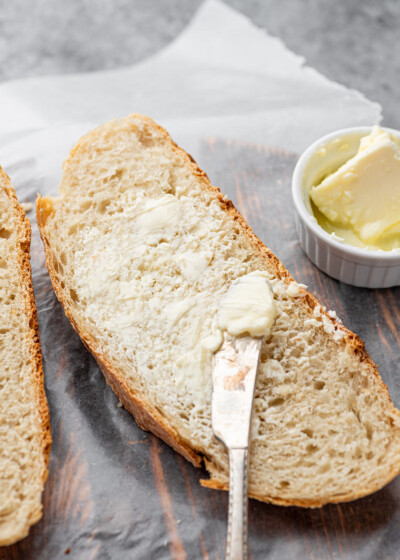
[(35, 347), (215, 484), (144, 412)]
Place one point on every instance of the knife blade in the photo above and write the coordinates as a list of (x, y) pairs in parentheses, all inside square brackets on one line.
[(234, 375)]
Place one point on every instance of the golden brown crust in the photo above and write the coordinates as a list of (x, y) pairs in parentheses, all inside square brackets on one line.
[(31, 313), (216, 484), (146, 415), (149, 420)]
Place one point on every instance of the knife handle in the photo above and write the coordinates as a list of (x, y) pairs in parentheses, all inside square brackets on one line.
[(236, 546)]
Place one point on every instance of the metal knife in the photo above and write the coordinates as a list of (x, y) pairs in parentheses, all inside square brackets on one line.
[(234, 378)]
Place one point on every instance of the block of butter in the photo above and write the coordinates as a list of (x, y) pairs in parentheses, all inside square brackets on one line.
[(361, 200)]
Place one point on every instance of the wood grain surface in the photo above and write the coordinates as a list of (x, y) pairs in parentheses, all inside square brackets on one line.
[(116, 492)]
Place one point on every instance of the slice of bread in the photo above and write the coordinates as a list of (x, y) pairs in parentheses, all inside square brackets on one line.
[(140, 248), (24, 417)]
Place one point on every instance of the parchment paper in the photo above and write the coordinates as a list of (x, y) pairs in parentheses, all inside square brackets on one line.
[(244, 106)]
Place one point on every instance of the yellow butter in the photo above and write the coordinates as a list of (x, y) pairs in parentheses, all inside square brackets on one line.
[(360, 202)]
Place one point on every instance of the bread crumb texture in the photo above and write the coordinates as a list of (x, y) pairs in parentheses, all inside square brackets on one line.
[(24, 421), (141, 248)]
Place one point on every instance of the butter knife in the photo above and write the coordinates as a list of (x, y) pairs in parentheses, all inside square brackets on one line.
[(234, 374)]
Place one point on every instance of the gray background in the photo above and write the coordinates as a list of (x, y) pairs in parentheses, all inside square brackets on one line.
[(353, 42)]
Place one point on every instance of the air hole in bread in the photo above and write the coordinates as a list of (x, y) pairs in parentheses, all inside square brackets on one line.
[(308, 432), (278, 401), (311, 448), (3, 264), (284, 484), (145, 138), (86, 205), (102, 206), (355, 412), (57, 266), (3, 331), (63, 258), (5, 233), (74, 295), (263, 357), (117, 175), (114, 177), (319, 385), (358, 453), (296, 352), (73, 229), (171, 188)]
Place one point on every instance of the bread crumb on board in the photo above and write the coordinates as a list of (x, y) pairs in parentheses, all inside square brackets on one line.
[(27, 206)]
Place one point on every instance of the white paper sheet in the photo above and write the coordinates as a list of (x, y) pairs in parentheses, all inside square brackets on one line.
[(222, 77)]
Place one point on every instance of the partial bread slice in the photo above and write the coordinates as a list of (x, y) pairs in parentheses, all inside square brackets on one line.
[(24, 417), (140, 248)]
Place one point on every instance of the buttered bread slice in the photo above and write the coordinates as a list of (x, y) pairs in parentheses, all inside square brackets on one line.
[(140, 249), (24, 416)]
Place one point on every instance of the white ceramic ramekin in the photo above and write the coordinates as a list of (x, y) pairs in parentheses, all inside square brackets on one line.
[(353, 265)]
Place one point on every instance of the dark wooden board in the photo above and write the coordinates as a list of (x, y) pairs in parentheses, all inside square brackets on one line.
[(116, 492)]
